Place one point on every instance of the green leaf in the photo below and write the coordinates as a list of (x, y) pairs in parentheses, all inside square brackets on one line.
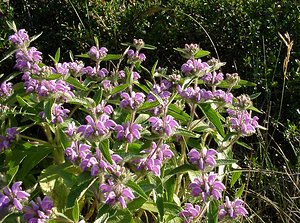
[(85, 55), (57, 55), (177, 113), (170, 188), (187, 133), (33, 38), (240, 191), (78, 190), (246, 83), (235, 176), (102, 219), (149, 47), (22, 102), (154, 68), (181, 169), (8, 55), (160, 207), (98, 96), (212, 116), (143, 87), (76, 211), (213, 209), (141, 118), (148, 105), (255, 109), (245, 145), (104, 148), (221, 162), (112, 57), (254, 96), (119, 88), (136, 188), (75, 83), (201, 53), (34, 156)]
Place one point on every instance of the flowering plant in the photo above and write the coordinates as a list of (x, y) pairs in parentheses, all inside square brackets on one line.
[(115, 142)]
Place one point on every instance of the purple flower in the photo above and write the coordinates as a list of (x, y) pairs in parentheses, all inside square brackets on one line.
[(135, 56), (195, 95), (132, 101), (207, 186), (166, 125), (71, 130), (155, 158), (203, 159), (128, 131), (107, 85), (5, 89), (194, 66), (103, 108), (20, 38), (213, 78), (223, 96), (190, 213), (116, 192), (97, 54), (58, 113), (13, 197), (28, 60), (241, 121), (98, 127), (232, 209), (6, 140), (39, 211)]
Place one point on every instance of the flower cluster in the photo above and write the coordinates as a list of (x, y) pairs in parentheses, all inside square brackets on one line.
[(13, 197), (98, 127), (167, 125), (195, 95), (232, 209), (39, 211), (135, 56), (58, 113), (116, 192), (5, 89), (6, 140), (203, 159), (155, 158), (242, 122), (97, 54), (132, 100), (194, 67), (20, 38), (207, 186), (190, 213), (212, 78), (129, 131)]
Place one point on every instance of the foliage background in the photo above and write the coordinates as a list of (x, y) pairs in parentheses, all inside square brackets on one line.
[(245, 34)]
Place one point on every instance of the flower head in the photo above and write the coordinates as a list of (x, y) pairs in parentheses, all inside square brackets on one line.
[(203, 159), (39, 211), (232, 209), (190, 213), (12, 197)]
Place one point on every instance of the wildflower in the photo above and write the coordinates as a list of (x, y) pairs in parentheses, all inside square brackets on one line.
[(232, 209), (223, 96), (58, 113), (213, 78), (132, 101), (203, 159), (116, 192), (38, 211), (28, 60), (97, 54), (71, 129), (156, 157), (166, 125), (5, 89), (98, 127), (13, 197), (6, 140), (194, 66), (20, 38), (134, 57), (103, 108), (129, 131), (242, 122), (207, 186), (190, 213)]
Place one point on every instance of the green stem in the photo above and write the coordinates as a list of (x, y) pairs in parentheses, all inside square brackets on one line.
[(33, 139)]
